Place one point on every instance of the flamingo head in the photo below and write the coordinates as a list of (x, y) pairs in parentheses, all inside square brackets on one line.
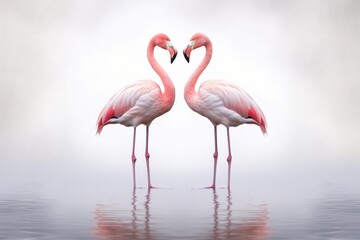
[(164, 42), (196, 41)]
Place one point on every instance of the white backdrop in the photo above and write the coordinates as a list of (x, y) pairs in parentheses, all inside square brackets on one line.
[(62, 60)]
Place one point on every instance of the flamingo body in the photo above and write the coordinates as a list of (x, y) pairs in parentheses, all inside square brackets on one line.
[(139, 103), (227, 104)]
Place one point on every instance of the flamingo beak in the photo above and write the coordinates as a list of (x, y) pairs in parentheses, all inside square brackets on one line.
[(187, 51), (172, 50), (173, 56)]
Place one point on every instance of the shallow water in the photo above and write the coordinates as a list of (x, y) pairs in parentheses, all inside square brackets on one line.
[(284, 207)]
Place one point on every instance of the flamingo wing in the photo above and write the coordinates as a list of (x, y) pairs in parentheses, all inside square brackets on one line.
[(139, 94), (220, 93)]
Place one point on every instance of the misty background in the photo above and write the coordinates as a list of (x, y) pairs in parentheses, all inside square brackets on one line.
[(61, 61)]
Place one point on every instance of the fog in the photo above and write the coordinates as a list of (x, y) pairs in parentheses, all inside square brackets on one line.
[(61, 61)]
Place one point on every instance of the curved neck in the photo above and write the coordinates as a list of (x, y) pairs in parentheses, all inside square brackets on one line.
[(190, 85), (165, 79)]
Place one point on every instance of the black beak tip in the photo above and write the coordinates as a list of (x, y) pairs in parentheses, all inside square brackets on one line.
[(186, 57), (173, 58)]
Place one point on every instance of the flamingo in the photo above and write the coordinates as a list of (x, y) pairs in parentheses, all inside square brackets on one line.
[(219, 101), (143, 101)]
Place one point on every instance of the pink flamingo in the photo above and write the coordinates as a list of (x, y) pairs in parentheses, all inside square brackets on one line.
[(142, 102), (219, 101)]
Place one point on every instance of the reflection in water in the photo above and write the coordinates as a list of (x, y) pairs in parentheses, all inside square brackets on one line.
[(137, 226), (230, 224), (138, 223)]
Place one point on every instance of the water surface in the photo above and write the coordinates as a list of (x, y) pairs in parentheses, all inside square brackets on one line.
[(325, 207)]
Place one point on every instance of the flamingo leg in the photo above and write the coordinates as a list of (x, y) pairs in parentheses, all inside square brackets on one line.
[(133, 158), (147, 156), (215, 155), (229, 158)]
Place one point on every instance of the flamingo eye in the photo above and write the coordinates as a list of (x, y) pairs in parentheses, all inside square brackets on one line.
[(169, 44), (192, 43)]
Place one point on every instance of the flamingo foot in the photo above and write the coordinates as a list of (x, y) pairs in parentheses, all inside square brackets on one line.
[(151, 186)]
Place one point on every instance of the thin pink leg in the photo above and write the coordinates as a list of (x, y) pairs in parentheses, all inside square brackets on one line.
[(215, 155), (133, 158), (229, 158), (147, 156)]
